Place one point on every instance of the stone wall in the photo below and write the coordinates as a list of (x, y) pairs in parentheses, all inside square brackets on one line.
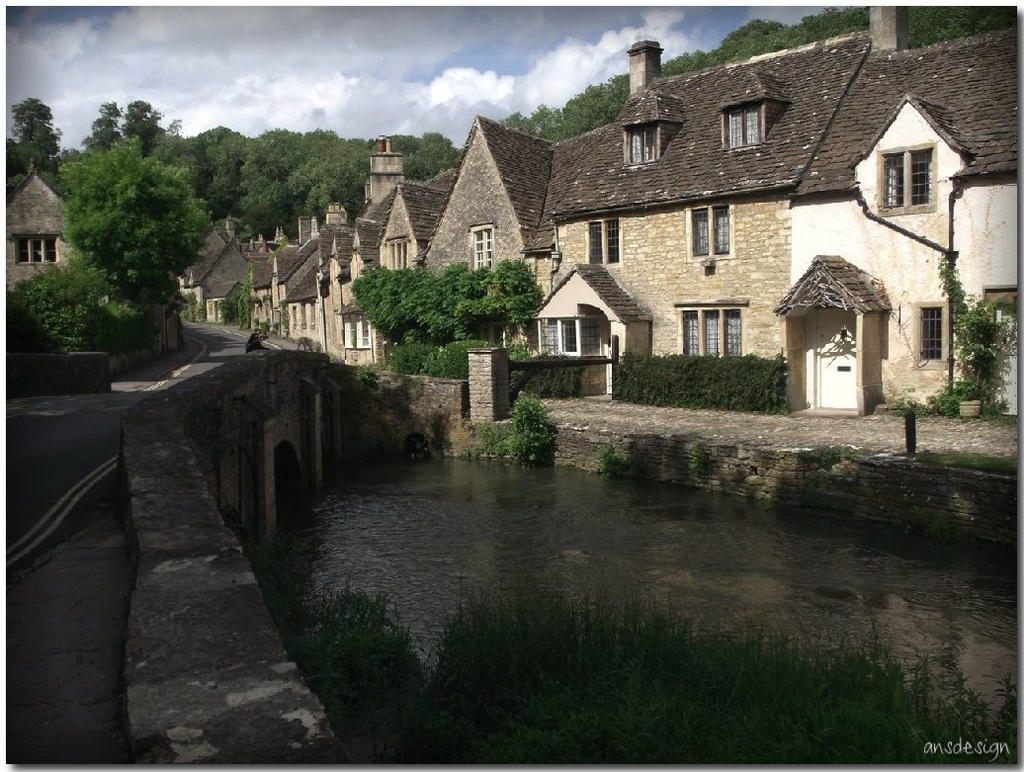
[(34, 211), (206, 676), (940, 501), (658, 270), (37, 375)]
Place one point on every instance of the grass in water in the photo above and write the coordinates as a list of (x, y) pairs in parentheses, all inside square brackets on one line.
[(545, 681)]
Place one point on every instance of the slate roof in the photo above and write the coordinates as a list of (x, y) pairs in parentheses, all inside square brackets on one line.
[(262, 270), (369, 228), (524, 163), (650, 106), (966, 88), (424, 203), (604, 284), (302, 286), (215, 245), (221, 289), (589, 173), (832, 282)]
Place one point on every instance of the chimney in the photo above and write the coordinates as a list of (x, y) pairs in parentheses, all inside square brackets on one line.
[(304, 230), (279, 234), (229, 227), (644, 65), (385, 170), (314, 228), (336, 215), (888, 28)]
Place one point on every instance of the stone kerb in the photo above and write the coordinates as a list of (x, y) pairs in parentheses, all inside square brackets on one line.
[(206, 676), (488, 385)]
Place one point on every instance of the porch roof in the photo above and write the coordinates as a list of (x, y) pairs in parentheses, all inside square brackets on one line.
[(832, 282), (603, 284)]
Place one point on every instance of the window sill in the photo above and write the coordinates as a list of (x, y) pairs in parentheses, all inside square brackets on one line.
[(903, 210), (932, 364)]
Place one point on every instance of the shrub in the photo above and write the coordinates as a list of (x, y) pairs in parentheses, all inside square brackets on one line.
[(408, 358), (123, 327), (748, 383), (612, 464), (451, 361), (560, 383), (532, 438)]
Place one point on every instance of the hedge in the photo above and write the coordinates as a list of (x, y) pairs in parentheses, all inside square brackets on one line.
[(748, 384), (561, 383), (452, 361)]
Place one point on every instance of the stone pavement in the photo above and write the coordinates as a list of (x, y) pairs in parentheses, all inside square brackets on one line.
[(881, 433)]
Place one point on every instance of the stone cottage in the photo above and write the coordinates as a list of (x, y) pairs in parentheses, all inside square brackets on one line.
[(919, 169), (218, 273), (35, 230), (672, 224)]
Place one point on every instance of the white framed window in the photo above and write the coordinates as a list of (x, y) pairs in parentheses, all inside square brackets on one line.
[(398, 254), (573, 336), (358, 333), (39, 249), (907, 180), (711, 332), (642, 144), (483, 247), (603, 241), (711, 231)]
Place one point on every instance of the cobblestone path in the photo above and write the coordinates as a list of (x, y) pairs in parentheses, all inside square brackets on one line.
[(883, 433)]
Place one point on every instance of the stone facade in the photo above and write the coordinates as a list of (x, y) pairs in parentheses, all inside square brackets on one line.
[(488, 385), (35, 230), (478, 200), (658, 270)]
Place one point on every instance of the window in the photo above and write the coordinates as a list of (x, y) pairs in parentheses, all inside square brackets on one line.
[(579, 336), (907, 182), (357, 332), (37, 250), (398, 254), (603, 241), (483, 248), (702, 238), (712, 332), (931, 333), (743, 126), (643, 144)]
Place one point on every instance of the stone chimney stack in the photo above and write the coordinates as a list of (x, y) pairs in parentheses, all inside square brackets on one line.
[(305, 230), (336, 215), (385, 170), (229, 227), (314, 228), (888, 28), (279, 234), (644, 64)]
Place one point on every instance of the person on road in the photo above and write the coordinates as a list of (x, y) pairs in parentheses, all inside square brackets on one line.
[(254, 342)]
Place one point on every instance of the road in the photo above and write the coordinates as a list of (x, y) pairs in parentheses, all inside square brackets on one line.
[(61, 450)]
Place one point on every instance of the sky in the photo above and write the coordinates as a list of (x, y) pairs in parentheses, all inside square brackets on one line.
[(359, 71)]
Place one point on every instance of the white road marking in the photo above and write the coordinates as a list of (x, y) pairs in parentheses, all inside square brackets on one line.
[(56, 514)]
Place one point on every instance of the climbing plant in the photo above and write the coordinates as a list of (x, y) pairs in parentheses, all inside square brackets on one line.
[(245, 300)]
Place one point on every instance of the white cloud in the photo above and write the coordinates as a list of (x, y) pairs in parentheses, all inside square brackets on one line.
[(358, 71)]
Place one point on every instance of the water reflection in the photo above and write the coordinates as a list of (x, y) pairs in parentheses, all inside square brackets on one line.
[(431, 534)]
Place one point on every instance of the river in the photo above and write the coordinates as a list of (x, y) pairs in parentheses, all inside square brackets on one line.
[(429, 534)]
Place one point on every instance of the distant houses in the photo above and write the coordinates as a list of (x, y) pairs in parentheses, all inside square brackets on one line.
[(796, 203)]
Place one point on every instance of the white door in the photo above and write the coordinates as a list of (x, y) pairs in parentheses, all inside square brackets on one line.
[(835, 353)]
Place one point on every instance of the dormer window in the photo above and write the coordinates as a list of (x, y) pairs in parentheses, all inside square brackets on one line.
[(743, 126), (643, 142)]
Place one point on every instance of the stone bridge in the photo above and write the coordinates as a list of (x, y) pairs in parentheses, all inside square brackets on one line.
[(207, 678)]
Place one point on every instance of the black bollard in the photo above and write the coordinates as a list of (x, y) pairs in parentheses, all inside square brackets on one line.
[(910, 427)]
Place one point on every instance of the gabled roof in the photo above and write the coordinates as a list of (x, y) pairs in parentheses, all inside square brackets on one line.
[(302, 286), (262, 270), (590, 174), (33, 175), (524, 164), (756, 84), (607, 289), (370, 226), (832, 282), (221, 289), (424, 204), (965, 88)]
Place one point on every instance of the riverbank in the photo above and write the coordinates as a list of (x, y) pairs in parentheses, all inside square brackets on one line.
[(541, 680), (834, 464)]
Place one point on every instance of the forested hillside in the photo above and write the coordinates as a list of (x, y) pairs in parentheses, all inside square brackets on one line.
[(270, 180)]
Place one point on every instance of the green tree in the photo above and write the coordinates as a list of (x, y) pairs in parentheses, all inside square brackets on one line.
[(431, 154), (134, 220), (142, 122), (106, 129), (36, 141)]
